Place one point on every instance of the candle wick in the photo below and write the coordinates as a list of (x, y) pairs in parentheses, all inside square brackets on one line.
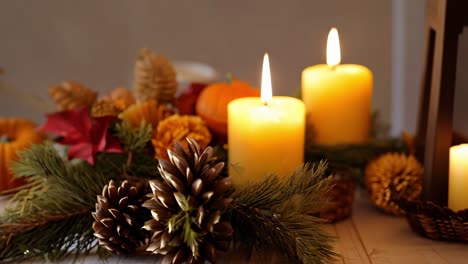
[(265, 103), (333, 68)]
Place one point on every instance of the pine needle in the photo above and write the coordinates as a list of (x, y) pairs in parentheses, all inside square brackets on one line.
[(275, 215), (50, 217), (134, 139), (51, 240)]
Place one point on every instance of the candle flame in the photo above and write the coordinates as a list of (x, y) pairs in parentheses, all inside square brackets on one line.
[(266, 93), (333, 48)]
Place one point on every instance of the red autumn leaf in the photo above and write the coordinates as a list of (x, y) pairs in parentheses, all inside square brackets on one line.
[(85, 137)]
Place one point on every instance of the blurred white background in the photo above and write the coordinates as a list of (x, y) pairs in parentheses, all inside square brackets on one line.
[(96, 42)]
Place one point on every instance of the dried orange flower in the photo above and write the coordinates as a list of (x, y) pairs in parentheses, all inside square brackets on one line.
[(104, 108), (149, 111), (121, 97), (177, 128)]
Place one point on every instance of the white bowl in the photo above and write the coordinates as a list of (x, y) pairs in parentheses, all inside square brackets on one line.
[(193, 72)]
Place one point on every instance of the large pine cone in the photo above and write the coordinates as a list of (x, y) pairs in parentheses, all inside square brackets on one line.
[(187, 206), (155, 78), (70, 94), (119, 218), (392, 177)]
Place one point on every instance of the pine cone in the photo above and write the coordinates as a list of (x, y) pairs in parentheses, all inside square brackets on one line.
[(177, 128), (70, 94), (104, 108), (392, 177), (119, 218), (155, 78), (149, 111), (187, 206)]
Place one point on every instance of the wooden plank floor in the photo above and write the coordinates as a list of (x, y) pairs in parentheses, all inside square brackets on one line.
[(370, 237), (373, 237)]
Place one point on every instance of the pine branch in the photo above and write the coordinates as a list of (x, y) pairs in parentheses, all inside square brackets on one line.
[(28, 224), (42, 159), (276, 215), (354, 155), (53, 240), (135, 142), (51, 216), (134, 139)]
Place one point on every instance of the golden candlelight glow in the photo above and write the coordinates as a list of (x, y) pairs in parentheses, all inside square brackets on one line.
[(333, 48), (458, 177), (266, 92)]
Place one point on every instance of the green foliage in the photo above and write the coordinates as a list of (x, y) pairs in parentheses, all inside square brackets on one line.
[(50, 216), (52, 239), (277, 215), (134, 139), (354, 157)]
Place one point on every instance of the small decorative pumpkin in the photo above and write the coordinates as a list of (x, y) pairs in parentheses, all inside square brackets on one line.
[(15, 134), (213, 100)]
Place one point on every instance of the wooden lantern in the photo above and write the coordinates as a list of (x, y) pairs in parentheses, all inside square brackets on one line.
[(445, 20)]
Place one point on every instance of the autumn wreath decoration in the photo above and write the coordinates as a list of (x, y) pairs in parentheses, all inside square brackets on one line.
[(126, 173)]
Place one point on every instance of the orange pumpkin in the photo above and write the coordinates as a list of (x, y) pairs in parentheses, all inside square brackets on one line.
[(213, 100), (15, 134)]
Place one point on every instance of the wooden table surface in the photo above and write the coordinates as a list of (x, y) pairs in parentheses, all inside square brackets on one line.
[(369, 236)]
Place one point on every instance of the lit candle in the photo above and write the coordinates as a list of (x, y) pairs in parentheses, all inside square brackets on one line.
[(337, 98), (265, 135), (458, 178)]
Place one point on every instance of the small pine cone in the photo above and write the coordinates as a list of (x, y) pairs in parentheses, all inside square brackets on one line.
[(119, 218), (177, 128), (155, 78), (70, 95), (392, 177), (121, 97), (104, 108), (187, 206), (149, 111), (341, 196)]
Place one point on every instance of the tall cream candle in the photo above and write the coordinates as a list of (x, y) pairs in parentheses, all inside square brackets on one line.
[(337, 99), (458, 178), (265, 135)]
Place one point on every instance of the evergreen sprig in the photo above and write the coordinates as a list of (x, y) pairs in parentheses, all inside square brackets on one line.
[(50, 216), (134, 139), (354, 158), (277, 215)]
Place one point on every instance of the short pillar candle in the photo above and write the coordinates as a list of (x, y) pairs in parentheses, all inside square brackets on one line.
[(458, 178), (265, 135)]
